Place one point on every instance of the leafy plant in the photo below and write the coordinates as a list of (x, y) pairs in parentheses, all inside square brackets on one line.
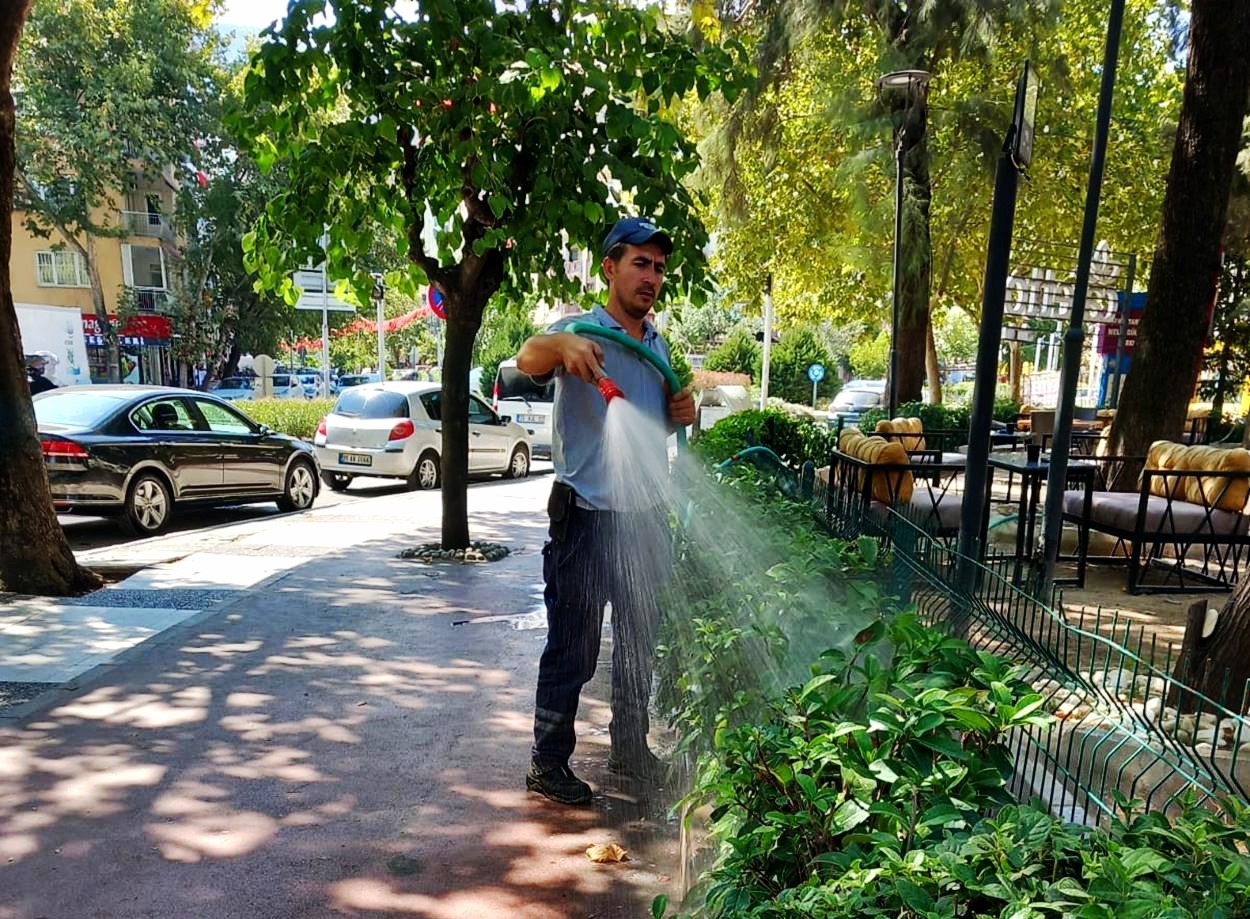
[(738, 353), (886, 746), (794, 439), (296, 417), (798, 349), (680, 364)]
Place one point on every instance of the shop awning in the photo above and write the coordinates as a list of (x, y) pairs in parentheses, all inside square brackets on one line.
[(137, 332)]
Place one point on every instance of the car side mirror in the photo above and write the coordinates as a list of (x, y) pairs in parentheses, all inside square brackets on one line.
[(505, 419), (265, 430)]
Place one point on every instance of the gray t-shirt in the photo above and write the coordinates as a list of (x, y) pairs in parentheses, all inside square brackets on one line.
[(580, 410)]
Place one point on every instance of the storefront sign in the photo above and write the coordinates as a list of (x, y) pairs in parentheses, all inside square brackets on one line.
[(138, 331)]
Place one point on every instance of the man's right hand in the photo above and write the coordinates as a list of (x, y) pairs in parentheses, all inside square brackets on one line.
[(581, 357)]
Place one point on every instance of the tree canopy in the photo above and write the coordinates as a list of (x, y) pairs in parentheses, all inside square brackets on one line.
[(483, 144), (109, 89)]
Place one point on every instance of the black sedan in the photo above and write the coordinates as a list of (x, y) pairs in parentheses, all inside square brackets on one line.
[(139, 451)]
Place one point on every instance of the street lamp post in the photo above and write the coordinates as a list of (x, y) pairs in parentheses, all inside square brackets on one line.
[(914, 84)]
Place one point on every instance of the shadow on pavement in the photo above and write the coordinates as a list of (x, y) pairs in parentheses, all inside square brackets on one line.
[(330, 745)]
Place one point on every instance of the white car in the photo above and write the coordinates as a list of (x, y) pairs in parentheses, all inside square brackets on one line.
[(393, 430), (529, 403)]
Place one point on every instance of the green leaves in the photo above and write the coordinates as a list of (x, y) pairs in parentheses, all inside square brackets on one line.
[(518, 111)]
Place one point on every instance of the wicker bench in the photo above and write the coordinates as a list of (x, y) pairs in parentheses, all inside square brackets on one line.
[(867, 477), (1188, 517)]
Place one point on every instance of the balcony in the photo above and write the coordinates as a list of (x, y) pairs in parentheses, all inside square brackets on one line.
[(147, 223), (151, 299)]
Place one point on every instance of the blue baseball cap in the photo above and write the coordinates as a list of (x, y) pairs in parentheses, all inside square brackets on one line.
[(635, 231)]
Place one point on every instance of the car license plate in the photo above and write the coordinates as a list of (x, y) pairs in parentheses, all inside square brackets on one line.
[(530, 419), (355, 459)]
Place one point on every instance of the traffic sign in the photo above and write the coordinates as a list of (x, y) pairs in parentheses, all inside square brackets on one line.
[(434, 297), (816, 372)]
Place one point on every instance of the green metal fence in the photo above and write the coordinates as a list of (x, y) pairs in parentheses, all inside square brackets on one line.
[(1125, 721)]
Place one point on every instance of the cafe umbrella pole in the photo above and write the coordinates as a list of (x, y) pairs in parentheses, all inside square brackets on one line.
[(993, 301), (1016, 153), (1070, 370)]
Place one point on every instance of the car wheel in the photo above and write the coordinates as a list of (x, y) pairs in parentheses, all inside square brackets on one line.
[(426, 473), (519, 465), (300, 490), (337, 481), (149, 505)]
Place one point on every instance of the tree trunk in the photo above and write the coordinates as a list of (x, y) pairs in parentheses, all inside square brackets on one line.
[(1015, 371), (463, 321), (916, 255), (932, 368), (34, 556), (1186, 263), (1216, 665)]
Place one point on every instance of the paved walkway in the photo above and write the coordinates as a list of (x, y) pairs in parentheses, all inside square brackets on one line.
[(321, 729)]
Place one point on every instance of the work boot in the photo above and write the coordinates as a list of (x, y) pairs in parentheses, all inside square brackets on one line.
[(638, 763), (557, 783)]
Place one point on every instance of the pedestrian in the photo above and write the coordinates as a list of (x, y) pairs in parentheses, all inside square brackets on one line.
[(595, 549), (36, 374)]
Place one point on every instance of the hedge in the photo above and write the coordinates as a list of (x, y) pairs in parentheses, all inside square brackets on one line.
[(795, 440), (296, 417)]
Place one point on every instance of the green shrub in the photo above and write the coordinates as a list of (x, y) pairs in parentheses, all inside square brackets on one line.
[(747, 620), (883, 750), (680, 364), (794, 439), (738, 353), (787, 368), (297, 417)]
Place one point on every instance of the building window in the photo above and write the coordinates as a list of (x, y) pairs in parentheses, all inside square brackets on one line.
[(61, 268)]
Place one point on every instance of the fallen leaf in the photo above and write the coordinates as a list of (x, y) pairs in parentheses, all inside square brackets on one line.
[(607, 852)]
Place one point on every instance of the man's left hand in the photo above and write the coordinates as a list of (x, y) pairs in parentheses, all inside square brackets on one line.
[(681, 408)]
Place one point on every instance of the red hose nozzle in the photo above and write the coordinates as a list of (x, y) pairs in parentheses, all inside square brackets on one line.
[(609, 390)]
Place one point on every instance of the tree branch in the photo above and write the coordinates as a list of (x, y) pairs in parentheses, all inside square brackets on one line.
[(57, 225), (439, 276)]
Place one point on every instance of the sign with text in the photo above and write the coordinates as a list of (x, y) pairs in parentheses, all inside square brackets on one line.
[(1109, 335)]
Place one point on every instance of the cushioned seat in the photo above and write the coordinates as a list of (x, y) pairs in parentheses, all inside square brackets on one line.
[(1118, 510), (928, 508)]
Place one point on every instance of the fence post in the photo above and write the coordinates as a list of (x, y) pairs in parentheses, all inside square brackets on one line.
[(902, 572)]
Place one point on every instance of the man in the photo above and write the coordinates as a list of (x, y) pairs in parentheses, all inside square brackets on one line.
[(36, 370), (597, 552)]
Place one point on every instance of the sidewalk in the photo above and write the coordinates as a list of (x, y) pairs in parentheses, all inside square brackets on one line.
[(326, 731)]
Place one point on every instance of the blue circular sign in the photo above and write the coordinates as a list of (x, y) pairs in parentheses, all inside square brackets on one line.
[(816, 372)]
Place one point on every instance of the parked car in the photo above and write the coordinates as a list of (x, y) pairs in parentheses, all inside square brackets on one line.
[(393, 430), (141, 452), (530, 404), (856, 397), (234, 389), (348, 380)]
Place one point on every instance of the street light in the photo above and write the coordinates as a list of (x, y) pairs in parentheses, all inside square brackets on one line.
[(914, 84)]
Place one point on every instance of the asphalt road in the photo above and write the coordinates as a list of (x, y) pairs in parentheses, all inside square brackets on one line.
[(93, 532)]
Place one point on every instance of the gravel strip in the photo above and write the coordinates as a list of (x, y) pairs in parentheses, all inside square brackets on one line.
[(167, 598), (14, 693)]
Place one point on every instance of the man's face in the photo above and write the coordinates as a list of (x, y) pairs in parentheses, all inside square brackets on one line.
[(37, 369), (636, 279)]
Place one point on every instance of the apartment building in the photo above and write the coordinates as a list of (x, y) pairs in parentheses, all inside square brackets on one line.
[(52, 289)]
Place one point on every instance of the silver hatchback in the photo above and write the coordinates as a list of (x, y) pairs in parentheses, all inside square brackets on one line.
[(394, 430)]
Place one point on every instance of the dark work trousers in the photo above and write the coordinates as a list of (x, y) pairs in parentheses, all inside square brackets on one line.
[(594, 558)]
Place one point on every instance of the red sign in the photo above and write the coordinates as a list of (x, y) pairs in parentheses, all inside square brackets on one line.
[(155, 327), (434, 297), (1109, 335)]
